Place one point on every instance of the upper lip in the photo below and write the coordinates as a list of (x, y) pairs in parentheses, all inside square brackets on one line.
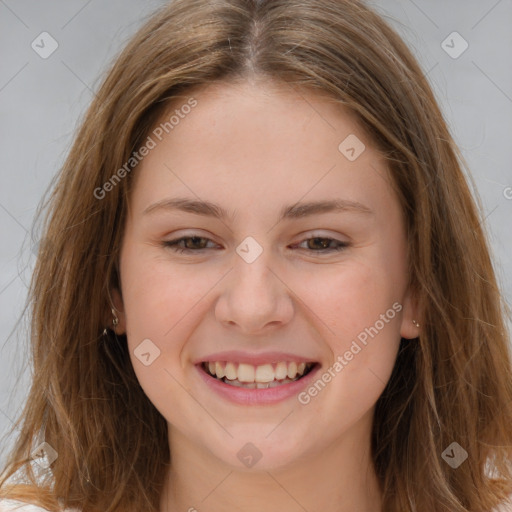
[(237, 356)]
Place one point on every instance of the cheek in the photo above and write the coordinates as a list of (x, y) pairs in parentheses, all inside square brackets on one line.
[(347, 298), (159, 300), (359, 308), (164, 303), (157, 293)]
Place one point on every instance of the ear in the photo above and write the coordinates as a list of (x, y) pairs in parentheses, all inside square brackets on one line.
[(410, 314), (117, 300)]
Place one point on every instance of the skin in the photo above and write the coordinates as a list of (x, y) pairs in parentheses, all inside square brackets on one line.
[(252, 148)]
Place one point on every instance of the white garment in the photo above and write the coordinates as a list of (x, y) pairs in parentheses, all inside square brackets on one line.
[(502, 508), (20, 506)]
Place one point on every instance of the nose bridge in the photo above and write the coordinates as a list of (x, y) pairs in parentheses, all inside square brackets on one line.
[(253, 296), (252, 273), (252, 259)]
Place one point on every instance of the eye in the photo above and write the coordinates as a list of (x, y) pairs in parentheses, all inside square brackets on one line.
[(322, 244), (189, 244)]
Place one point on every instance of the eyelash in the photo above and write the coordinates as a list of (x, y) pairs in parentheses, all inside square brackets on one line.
[(173, 244)]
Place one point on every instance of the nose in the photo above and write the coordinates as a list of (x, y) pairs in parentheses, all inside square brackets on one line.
[(254, 298)]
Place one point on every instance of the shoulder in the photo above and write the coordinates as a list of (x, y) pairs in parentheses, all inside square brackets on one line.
[(20, 506)]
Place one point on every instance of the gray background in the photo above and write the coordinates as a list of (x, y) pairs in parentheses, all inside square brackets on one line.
[(42, 101)]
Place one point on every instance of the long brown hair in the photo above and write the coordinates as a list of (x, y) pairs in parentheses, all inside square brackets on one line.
[(453, 384)]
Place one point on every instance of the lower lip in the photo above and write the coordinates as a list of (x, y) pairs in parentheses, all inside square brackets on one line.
[(246, 396)]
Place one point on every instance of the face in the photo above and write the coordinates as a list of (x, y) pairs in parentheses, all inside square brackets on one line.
[(299, 306)]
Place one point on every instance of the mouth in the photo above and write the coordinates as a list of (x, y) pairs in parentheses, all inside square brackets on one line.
[(265, 376)]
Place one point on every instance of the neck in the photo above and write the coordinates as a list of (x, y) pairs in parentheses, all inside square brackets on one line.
[(340, 478)]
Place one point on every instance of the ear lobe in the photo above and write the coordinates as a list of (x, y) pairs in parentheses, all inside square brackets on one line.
[(117, 300), (411, 318)]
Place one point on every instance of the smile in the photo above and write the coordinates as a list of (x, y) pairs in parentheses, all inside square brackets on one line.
[(263, 376)]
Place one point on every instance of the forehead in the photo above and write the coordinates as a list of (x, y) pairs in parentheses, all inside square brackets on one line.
[(266, 104), (251, 142)]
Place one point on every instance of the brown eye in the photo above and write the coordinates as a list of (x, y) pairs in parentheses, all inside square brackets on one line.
[(323, 244), (191, 244)]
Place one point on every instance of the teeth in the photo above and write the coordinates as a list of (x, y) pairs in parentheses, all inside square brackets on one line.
[(245, 372), (257, 385), (230, 371), (238, 384), (292, 370), (264, 373), (281, 371), (235, 383), (263, 376), (219, 370)]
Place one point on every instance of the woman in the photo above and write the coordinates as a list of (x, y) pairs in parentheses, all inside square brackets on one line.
[(264, 282)]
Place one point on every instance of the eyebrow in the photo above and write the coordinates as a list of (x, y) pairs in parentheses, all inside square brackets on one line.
[(295, 211)]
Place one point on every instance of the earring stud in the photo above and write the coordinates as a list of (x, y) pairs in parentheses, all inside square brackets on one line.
[(115, 320), (415, 323)]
